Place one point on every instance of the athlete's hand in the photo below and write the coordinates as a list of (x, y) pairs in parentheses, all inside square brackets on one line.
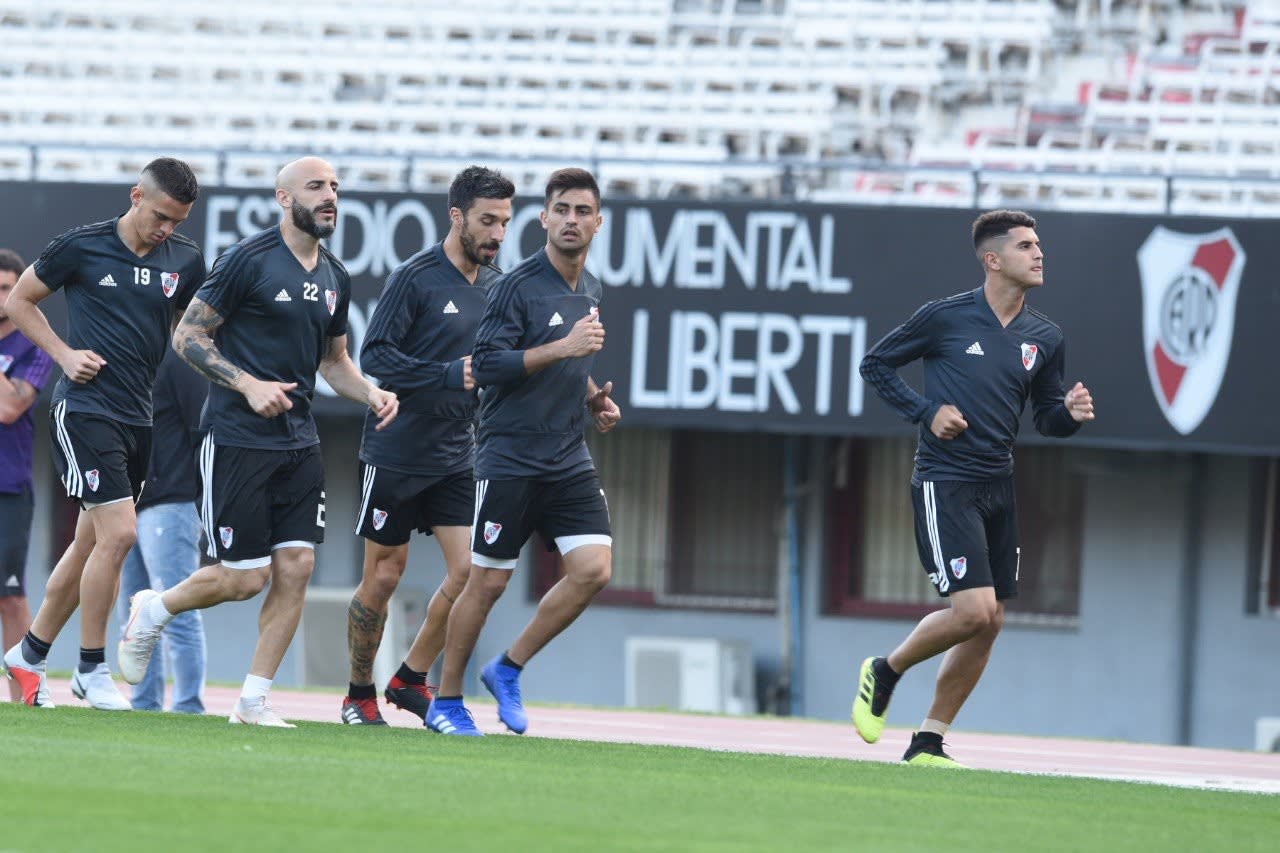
[(81, 365), (268, 399), (948, 423), (468, 381), (1079, 403), (386, 405), (603, 410), (586, 336)]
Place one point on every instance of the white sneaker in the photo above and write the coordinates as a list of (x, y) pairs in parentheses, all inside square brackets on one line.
[(139, 638), (99, 690), (256, 712), (30, 677)]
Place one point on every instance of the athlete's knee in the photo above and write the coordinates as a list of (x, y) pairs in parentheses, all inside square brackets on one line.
[(492, 583), (383, 577), (117, 539), (243, 584), (596, 574), (976, 617), (12, 606), (294, 569), (591, 567), (455, 580)]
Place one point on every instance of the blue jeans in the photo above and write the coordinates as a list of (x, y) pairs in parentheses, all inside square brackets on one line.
[(167, 552)]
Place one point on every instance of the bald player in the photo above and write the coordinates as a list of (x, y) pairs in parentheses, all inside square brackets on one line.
[(125, 280), (273, 311)]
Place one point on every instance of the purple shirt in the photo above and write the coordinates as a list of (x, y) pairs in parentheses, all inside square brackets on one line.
[(20, 359)]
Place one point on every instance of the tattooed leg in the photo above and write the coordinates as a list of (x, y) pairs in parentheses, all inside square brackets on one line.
[(364, 635), (383, 566)]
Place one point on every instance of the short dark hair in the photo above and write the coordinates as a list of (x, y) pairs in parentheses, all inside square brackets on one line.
[(11, 261), (563, 180), (174, 178), (997, 223), (476, 182)]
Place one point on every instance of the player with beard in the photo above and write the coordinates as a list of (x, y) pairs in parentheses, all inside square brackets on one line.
[(534, 351), (125, 280), (417, 474), (273, 311)]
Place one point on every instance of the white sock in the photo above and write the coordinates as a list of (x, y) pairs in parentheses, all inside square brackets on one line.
[(157, 613), (255, 687), (936, 726)]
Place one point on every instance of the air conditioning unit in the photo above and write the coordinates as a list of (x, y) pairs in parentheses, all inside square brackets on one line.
[(690, 674), (1267, 734), (320, 645)]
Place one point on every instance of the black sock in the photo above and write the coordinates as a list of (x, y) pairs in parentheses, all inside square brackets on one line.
[(884, 673), (34, 649), (457, 698), (507, 661), (90, 658), (927, 737), (411, 676), (361, 691)]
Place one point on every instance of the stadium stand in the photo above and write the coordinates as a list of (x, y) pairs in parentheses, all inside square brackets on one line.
[(946, 102)]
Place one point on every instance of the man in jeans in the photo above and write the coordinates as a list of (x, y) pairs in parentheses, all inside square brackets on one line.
[(168, 546)]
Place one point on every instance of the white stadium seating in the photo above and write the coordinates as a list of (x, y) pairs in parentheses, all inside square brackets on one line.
[(889, 101)]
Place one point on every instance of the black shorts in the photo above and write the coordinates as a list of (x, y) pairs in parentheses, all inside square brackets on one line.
[(15, 534), (255, 501), (394, 504), (967, 535), (567, 513), (99, 460)]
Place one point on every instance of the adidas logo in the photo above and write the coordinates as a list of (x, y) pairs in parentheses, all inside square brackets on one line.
[(555, 320), (975, 349), (451, 308), (441, 724), (12, 581), (107, 281), (283, 296)]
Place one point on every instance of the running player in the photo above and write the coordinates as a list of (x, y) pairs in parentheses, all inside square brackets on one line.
[(986, 352), (533, 356), (273, 311), (417, 474), (126, 280)]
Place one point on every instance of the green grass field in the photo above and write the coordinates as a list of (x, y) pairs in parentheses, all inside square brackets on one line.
[(75, 779)]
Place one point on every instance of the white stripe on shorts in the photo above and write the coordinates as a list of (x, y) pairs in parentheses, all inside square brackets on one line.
[(72, 479), (482, 486), (370, 472), (206, 496), (931, 523)]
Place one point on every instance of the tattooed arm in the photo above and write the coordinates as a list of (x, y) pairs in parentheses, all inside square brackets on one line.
[(342, 374), (193, 341)]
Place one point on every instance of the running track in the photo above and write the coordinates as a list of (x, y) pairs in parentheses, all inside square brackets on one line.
[(1168, 765)]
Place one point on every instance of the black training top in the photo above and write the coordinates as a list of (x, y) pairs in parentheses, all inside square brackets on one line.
[(986, 371), (121, 306), (531, 426), (179, 395), (425, 323), (277, 319)]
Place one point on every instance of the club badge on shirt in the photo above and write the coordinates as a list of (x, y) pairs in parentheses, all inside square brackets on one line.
[(331, 301), (169, 283), (1029, 352)]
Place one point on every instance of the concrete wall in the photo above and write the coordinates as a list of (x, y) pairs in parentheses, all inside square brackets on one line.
[(1114, 674)]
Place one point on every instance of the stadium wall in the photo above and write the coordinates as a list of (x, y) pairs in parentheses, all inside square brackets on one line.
[(1165, 646)]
